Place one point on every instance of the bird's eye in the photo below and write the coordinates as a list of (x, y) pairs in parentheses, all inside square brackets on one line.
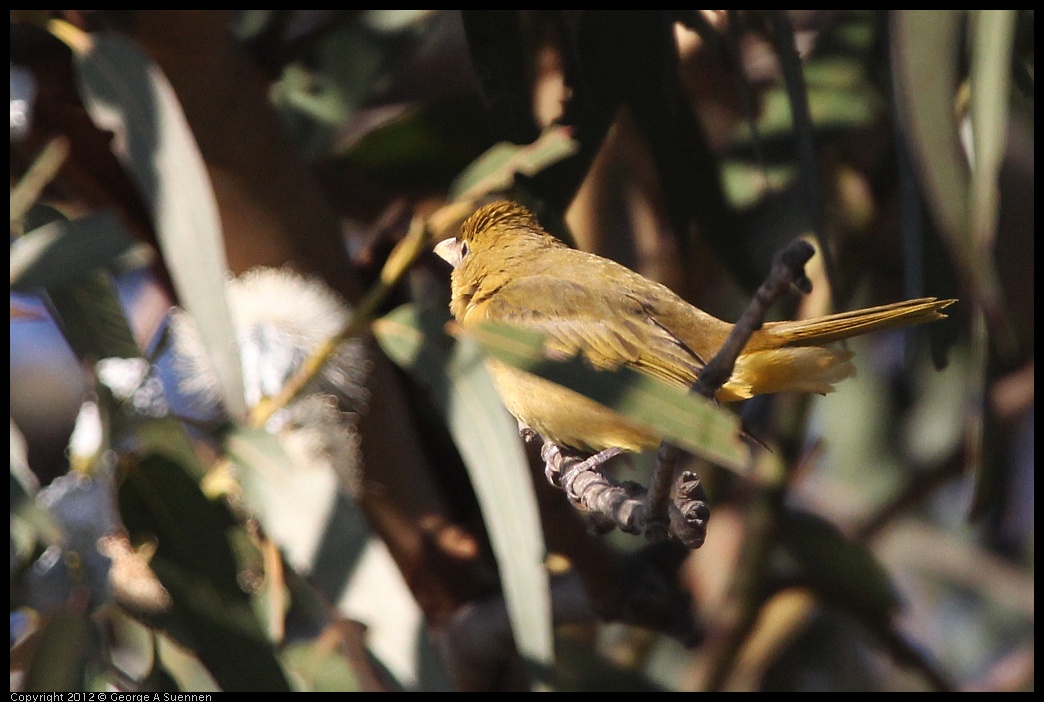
[(464, 249)]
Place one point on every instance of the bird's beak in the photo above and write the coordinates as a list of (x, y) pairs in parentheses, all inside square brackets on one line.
[(450, 250)]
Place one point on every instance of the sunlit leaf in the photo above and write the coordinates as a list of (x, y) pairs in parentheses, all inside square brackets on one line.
[(992, 39), (495, 170), (126, 93), (318, 666), (488, 440), (925, 62), (292, 501), (691, 421)]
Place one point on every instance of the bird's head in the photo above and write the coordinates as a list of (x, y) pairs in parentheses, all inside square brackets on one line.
[(490, 225)]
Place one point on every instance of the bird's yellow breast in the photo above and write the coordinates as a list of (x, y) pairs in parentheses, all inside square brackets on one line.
[(566, 417)]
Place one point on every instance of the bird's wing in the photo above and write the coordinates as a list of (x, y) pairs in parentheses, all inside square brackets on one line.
[(609, 332)]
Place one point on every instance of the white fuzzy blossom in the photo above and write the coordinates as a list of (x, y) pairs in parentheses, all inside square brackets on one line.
[(280, 317)]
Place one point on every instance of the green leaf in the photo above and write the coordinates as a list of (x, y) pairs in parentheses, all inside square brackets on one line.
[(293, 502), (195, 562), (317, 666), (30, 523), (992, 38), (126, 93), (841, 571), (59, 663), (964, 200), (92, 320), (689, 420), (487, 437), (582, 669), (66, 251), (925, 62), (496, 168), (84, 303), (417, 146)]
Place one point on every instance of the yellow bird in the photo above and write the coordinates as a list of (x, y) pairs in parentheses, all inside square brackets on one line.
[(506, 268)]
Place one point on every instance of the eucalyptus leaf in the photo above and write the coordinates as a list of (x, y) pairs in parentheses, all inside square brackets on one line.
[(991, 46), (195, 561), (317, 666), (126, 93), (40, 525), (66, 251), (488, 440), (82, 299), (992, 39), (925, 62), (294, 502), (496, 168), (66, 645), (841, 571), (689, 420), (92, 319)]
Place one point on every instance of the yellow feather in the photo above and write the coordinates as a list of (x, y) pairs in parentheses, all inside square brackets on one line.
[(508, 269)]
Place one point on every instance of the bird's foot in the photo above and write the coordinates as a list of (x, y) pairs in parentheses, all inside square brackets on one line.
[(607, 504), (591, 463), (690, 511), (554, 460), (561, 469)]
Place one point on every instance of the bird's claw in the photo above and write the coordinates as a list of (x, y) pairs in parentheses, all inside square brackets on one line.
[(691, 503), (551, 453), (590, 463), (527, 433)]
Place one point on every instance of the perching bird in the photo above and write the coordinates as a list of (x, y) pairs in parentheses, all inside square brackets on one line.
[(506, 268)]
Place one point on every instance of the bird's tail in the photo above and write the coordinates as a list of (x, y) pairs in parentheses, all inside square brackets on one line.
[(788, 356), (834, 327)]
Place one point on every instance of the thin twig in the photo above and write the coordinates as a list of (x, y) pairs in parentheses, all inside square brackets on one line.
[(788, 270), (405, 253), (43, 170), (782, 36)]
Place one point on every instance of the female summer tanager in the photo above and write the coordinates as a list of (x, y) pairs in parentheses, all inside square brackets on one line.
[(506, 268)]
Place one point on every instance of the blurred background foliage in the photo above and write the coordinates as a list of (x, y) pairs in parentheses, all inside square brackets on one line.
[(199, 528)]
